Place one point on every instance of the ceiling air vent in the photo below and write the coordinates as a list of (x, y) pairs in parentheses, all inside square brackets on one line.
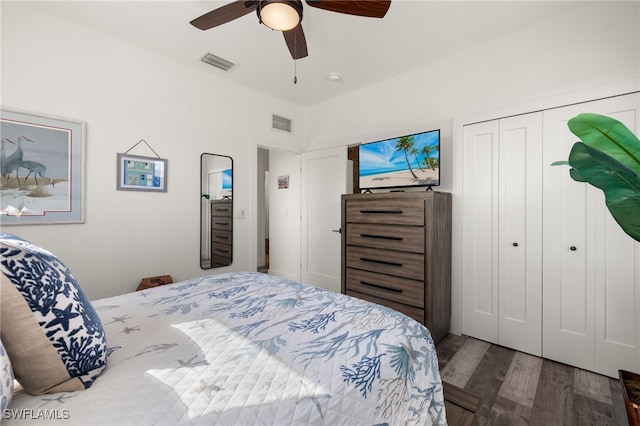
[(217, 62), (281, 123)]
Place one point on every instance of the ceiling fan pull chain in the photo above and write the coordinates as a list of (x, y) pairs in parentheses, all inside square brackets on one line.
[(295, 61)]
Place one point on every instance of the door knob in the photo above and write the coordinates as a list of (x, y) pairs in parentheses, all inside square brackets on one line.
[(573, 248), (339, 230), (515, 244)]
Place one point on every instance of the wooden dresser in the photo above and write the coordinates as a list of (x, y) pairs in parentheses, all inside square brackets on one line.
[(221, 232), (396, 251)]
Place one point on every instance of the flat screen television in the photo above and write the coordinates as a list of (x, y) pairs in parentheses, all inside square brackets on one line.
[(402, 162)]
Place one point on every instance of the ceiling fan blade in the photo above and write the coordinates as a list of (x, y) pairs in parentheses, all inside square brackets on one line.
[(296, 42), (367, 8), (224, 14)]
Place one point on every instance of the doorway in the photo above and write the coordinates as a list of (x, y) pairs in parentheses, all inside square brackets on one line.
[(278, 213), (299, 222), (263, 210)]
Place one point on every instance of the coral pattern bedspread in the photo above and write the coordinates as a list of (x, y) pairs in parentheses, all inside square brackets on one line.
[(250, 348)]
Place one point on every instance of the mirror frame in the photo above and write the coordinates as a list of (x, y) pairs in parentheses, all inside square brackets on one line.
[(206, 231)]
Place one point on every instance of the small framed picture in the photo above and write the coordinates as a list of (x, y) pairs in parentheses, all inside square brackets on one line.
[(137, 173), (283, 182)]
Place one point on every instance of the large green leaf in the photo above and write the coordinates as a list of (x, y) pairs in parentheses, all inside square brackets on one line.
[(620, 184), (609, 136)]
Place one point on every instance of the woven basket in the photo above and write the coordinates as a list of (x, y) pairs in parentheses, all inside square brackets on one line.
[(150, 282)]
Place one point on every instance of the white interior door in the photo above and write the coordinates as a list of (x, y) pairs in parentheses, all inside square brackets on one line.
[(520, 230), (591, 268), (324, 177)]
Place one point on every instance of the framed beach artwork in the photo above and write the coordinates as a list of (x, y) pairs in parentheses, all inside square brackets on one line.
[(138, 173), (42, 167)]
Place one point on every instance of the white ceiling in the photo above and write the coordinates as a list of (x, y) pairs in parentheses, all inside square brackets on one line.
[(362, 50)]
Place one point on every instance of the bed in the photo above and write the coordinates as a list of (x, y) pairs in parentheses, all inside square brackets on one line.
[(243, 349)]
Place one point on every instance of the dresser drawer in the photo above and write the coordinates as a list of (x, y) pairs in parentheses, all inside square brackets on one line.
[(221, 250), (407, 265), (393, 211), (221, 236), (221, 223), (397, 289), (221, 208), (217, 261), (390, 237), (410, 311)]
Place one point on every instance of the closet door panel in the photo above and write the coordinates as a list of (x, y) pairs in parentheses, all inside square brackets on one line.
[(520, 260), (619, 282), (568, 334), (617, 275), (591, 277), (480, 225)]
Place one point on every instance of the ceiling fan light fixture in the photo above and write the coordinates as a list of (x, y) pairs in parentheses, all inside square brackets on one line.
[(280, 15)]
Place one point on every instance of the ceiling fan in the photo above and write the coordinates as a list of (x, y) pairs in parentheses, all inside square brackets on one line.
[(286, 16)]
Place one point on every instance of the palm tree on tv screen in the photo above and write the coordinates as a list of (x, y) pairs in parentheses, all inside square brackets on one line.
[(428, 161), (416, 152), (405, 143)]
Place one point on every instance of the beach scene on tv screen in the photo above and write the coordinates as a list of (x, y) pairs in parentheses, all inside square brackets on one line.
[(412, 160)]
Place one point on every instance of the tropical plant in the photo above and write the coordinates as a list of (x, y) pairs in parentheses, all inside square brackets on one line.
[(609, 159), (405, 143)]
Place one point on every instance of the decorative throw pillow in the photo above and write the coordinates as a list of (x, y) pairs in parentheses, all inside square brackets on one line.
[(49, 328), (6, 380)]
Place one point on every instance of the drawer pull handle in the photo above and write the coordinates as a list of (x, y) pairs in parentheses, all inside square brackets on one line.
[(395, 290), (221, 223), (381, 237), (381, 211), (385, 262)]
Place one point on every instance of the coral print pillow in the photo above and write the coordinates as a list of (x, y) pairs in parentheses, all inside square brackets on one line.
[(50, 330)]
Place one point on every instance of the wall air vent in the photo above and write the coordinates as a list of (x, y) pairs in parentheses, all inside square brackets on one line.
[(281, 123), (217, 62)]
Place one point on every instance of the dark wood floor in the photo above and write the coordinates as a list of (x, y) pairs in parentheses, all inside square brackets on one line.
[(514, 388)]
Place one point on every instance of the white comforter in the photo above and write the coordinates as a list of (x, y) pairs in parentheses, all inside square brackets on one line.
[(251, 349)]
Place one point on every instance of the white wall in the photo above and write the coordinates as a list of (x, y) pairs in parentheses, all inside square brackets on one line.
[(125, 94), (591, 46)]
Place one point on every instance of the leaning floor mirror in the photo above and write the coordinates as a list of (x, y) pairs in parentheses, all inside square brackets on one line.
[(216, 211)]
